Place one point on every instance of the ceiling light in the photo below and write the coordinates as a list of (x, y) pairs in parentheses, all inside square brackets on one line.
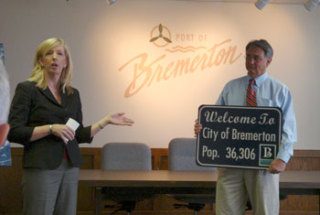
[(260, 4), (111, 2), (311, 4)]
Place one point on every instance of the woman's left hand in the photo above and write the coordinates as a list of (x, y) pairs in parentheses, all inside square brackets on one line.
[(120, 119)]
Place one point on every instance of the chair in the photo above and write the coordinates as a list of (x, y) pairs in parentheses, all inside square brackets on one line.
[(121, 157), (182, 157)]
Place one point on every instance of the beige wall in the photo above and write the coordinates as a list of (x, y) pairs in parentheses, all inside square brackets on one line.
[(111, 52)]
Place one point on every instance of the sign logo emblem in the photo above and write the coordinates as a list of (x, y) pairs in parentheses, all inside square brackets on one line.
[(267, 154), (160, 36)]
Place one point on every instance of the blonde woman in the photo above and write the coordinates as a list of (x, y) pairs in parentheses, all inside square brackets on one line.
[(39, 112)]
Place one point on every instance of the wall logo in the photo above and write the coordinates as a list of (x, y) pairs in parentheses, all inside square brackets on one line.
[(160, 36), (184, 54)]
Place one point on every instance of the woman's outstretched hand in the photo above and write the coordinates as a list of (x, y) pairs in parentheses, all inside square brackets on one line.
[(120, 119)]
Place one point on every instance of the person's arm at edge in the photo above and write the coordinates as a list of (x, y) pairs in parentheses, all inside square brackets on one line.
[(289, 136)]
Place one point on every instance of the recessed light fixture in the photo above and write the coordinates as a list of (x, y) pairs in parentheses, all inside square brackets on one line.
[(111, 2), (260, 4), (311, 4)]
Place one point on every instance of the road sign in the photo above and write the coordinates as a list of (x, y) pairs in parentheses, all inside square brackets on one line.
[(240, 137)]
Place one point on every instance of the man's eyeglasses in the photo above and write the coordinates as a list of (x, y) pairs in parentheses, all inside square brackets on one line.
[(254, 58)]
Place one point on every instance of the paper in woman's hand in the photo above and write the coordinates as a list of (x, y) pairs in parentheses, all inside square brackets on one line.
[(73, 124)]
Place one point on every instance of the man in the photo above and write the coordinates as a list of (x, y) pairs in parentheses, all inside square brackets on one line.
[(4, 103), (261, 187)]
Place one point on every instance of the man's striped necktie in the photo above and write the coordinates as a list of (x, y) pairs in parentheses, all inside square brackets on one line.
[(251, 94)]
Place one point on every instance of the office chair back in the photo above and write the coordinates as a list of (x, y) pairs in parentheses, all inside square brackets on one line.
[(182, 155), (126, 156)]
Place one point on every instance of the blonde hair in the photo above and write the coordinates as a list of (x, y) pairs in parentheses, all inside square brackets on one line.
[(37, 74)]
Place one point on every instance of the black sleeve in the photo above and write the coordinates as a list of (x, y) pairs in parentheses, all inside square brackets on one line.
[(83, 134), (19, 114)]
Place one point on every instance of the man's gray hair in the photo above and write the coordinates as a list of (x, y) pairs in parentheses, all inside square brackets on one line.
[(263, 44), (4, 93)]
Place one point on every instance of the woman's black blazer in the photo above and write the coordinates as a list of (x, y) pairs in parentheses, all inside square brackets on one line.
[(31, 107)]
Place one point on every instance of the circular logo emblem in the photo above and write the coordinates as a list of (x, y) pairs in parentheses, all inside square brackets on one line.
[(160, 36)]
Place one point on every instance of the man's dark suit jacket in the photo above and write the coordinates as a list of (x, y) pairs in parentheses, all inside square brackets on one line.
[(31, 107)]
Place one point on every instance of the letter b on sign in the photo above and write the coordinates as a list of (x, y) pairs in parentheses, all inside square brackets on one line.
[(267, 154)]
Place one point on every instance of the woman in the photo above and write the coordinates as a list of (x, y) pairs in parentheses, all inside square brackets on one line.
[(40, 109)]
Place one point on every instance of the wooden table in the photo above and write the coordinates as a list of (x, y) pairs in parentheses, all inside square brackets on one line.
[(178, 182)]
